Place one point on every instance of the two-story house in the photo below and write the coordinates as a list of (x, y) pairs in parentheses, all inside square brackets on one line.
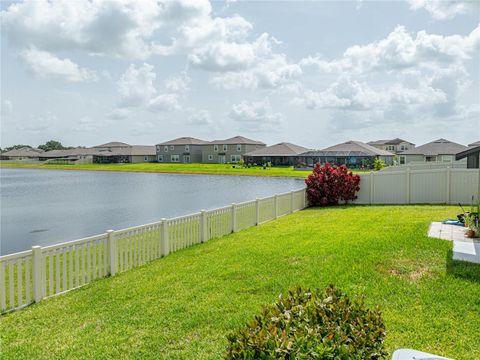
[(440, 150), (181, 150), (228, 150), (395, 146)]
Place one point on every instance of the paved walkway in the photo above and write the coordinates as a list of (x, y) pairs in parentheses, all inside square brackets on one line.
[(464, 248)]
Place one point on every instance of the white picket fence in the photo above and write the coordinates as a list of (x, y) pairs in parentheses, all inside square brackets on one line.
[(32, 275), (432, 186)]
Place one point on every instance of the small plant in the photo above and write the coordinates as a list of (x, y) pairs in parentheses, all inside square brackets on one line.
[(311, 325), (378, 164), (328, 185)]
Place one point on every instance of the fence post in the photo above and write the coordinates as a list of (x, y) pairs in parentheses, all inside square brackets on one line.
[(203, 226), (112, 253), (292, 200), (407, 190), (37, 278), (372, 187), (447, 182), (304, 198), (257, 211), (234, 217), (275, 205), (165, 247)]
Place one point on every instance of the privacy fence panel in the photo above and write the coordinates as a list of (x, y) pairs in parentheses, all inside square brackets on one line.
[(431, 186), (41, 272)]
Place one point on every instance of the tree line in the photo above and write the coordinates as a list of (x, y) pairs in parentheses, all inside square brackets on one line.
[(49, 145)]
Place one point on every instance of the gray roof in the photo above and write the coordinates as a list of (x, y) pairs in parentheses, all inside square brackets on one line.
[(237, 140), (476, 143), (437, 147), (24, 152), (472, 150), (112, 145), (129, 150), (395, 141), (281, 149), (184, 141), (355, 147)]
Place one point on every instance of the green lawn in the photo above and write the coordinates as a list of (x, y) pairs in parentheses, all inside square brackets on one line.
[(218, 169), (182, 306)]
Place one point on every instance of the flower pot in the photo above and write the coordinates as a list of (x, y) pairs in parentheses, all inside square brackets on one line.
[(470, 233)]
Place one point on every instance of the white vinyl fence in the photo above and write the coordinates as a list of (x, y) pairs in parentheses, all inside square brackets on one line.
[(419, 165), (433, 186), (32, 275)]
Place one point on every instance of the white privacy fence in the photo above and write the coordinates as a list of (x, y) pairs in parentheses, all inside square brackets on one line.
[(418, 165), (433, 186), (30, 276)]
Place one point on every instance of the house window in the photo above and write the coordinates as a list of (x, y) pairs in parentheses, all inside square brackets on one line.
[(172, 147), (175, 158), (403, 147), (165, 149), (225, 147), (145, 158), (160, 158), (186, 159), (239, 148), (430, 158), (447, 158), (235, 158), (158, 147), (391, 147), (210, 157), (187, 148), (402, 160), (215, 148)]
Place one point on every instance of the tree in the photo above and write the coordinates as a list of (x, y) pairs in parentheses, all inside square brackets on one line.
[(14, 147), (52, 145)]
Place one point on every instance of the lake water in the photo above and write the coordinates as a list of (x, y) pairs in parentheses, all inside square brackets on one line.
[(43, 207)]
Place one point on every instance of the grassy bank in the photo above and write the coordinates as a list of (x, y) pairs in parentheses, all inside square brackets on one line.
[(213, 169), (183, 305)]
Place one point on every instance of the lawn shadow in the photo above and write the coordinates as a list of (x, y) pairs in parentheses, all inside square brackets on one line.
[(462, 269)]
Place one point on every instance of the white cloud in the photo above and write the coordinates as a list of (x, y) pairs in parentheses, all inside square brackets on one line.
[(136, 86), (38, 124), (200, 118), (86, 124), (6, 108), (118, 114), (178, 83), (445, 9), (256, 116), (164, 102), (47, 65)]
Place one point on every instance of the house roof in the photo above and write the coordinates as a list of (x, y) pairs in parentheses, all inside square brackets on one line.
[(437, 147), (470, 150), (355, 147), (129, 150), (281, 149), (395, 141), (112, 144), (476, 143), (237, 140), (184, 141), (24, 152)]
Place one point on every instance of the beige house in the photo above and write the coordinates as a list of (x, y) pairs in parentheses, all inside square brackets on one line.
[(229, 150), (181, 150), (24, 153), (394, 146), (440, 150)]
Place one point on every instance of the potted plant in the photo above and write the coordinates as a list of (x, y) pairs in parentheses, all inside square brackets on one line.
[(471, 221)]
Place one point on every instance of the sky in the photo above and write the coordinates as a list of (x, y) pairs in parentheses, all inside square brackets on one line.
[(312, 73)]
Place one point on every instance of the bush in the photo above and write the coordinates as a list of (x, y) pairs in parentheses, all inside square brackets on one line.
[(327, 185), (311, 325), (378, 164)]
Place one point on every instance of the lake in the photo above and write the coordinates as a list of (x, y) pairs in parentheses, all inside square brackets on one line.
[(43, 207)]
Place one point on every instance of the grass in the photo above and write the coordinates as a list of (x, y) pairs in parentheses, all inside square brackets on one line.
[(182, 306), (214, 169)]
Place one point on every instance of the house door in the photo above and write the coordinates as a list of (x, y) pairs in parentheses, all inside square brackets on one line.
[(221, 159), (186, 159)]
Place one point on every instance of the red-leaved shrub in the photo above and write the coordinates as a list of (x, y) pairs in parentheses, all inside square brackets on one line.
[(328, 185)]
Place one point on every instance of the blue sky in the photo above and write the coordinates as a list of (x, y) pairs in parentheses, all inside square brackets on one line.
[(312, 73)]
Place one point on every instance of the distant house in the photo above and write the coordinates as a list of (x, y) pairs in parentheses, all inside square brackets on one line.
[(112, 152), (472, 154), (229, 150), (181, 150), (280, 154), (24, 153), (353, 154), (394, 146), (476, 143), (440, 150)]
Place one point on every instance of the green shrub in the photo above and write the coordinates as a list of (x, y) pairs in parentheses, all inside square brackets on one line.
[(378, 164), (311, 325)]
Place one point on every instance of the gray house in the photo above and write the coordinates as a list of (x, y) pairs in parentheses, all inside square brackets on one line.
[(282, 154), (24, 153), (472, 154), (181, 150), (440, 150), (228, 150), (353, 154), (394, 146)]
